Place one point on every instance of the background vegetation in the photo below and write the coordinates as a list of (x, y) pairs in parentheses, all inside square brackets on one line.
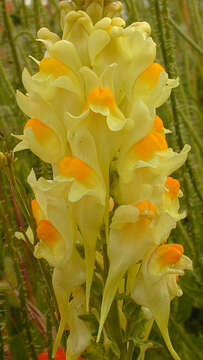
[(28, 315)]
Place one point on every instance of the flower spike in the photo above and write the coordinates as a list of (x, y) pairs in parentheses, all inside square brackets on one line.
[(92, 115)]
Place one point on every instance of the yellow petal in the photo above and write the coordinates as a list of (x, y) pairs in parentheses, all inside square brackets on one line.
[(97, 42), (111, 286), (65, 51), (89, 213), (42, 140)]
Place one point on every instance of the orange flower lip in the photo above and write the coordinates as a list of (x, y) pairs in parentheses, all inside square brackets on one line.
[(173, 186), (35, 210), (151, 75), (101, 96), (169, 254), (151, 143), (47, 232), (146, 207), (41, 131), (74, 167), (53, 66), (158, 125)]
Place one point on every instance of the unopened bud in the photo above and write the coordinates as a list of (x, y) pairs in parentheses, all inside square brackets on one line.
[(66, 7), (95, 11), (45, 34), (113, 9)]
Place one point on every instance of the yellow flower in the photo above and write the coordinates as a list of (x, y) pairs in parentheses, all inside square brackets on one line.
[(87, 196), (92, 112), (57, 233), (44, 133), (134, 230), (156, 284), (146, 165), (171, 197), (153, 86), (131, 48), (53, 219)]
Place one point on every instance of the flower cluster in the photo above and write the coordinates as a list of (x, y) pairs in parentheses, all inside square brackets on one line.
[(92, 116)]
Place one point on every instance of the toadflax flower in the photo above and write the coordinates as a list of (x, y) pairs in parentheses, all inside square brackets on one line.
[(156, 284), (134, 230), (92, 115), (56, 231)]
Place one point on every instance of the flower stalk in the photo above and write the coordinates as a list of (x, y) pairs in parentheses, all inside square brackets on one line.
[(104, 199)]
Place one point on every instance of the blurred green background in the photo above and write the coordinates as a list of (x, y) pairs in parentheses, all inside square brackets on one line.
[(27, 304)]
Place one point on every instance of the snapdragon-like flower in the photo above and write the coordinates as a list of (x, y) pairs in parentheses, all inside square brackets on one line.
[(57, 233), (44, 134), (134, 230), (156, 284), (92, 114), (87, 196)]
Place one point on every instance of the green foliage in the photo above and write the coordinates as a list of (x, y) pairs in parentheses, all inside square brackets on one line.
[(24, 331)]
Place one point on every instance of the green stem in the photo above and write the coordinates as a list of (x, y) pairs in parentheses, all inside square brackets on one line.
[(106, 219), (36, 14), (186, 238), (192, 131), (196, 20), (144, 348), (186, 37), (130, 351), (1, 345), (7, 22), (51, 296), (8, 85), (160, 24), (25, 14), (186, 339), (49, 336), (123, 351), (24, 32)]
